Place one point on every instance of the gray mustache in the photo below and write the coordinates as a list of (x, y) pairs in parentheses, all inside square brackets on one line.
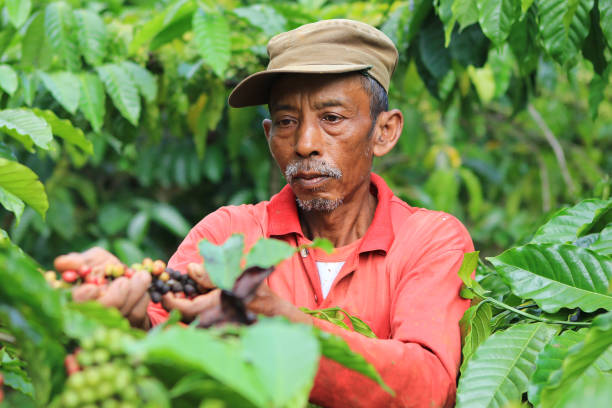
[(319, 167)]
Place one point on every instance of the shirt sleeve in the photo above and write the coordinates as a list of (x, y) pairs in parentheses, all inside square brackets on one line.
[(420, 360)]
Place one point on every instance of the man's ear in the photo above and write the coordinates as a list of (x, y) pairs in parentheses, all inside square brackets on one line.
[(267, 125), (387, 132)]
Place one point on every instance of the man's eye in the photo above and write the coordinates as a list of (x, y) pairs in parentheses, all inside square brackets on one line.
[(284, 122), (332, 118)]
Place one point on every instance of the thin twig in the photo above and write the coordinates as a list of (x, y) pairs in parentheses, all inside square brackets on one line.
[(7, 338), (533, 317), (545, 185), (554, 143)]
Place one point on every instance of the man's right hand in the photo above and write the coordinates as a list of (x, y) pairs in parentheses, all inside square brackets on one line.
[(129, 296)]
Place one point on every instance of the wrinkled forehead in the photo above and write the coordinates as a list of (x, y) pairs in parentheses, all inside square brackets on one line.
[(291, 90)]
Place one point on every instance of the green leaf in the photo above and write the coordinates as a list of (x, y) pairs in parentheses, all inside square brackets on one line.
[(499, 370), (91, 101), (285, 357), (466, 12), (594, 45), (581, 357), (605, 18), (127, 251), (63, 87), (603, 245), (268, 252), (12, 203), (35, 49), (66, 130), (263, 17), (144, 80), (336, 315), (475, 328), (435, 56), (597, 88), (549, 360), (323, 244), (335, 348), (59, 27), (82, 319), (524, 44), (563, 29), (467, 268), (18, 11), (525, 4), (26, 127), (222, 262), (8, 79), (570, 223), (212, 38), (557, 276), (170, 218), (220, 361), (496, 18), (472, 183), (92, 36), (122, 90), (593, 389)]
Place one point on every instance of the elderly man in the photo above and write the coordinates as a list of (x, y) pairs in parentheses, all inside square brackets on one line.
[(394, 265)]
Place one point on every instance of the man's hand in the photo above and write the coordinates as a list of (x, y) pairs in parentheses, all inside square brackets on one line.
[(264, 302), (129, 296)]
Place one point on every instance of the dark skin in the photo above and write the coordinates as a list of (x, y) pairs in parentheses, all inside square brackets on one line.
[(313, 118)]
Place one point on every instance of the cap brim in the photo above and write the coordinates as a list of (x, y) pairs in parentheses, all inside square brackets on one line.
[(255, 89)]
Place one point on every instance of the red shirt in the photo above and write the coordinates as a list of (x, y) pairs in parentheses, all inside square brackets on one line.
[(402, 281)]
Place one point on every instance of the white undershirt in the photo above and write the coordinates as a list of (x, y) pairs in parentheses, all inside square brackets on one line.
[(327, 273)]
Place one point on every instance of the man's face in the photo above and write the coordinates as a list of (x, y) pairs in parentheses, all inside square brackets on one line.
[(319, 136)]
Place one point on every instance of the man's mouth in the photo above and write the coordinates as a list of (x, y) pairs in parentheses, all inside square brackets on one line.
[(309, 180)]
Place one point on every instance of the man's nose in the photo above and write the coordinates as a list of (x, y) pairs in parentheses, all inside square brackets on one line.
[(308, 140)]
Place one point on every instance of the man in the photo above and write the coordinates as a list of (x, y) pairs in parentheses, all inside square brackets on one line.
[(394, 265)]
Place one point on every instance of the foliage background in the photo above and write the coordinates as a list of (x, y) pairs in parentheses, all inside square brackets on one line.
[(482, 114)]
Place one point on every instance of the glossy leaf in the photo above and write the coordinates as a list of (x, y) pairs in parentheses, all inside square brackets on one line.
[(603, 244), (212, 39), (334, 348), (92, 36), (475, 329), (122, 90), (268, 252), (66, 130), (285, 358), (8, 79), (263, 17), (26, 127), (570, 223), (579, 358), (605, 17), (91, 100), (219, 362), (170, 218), (499, 370), (337, 315), (59, 27), (144, 80), (23, 183), (563, 29), (496, 18), (35, 49), (550, 360), (594, 46), (434, 55), (466, 12), (12, 203), (222, 262), (557, 276), (18, 11), (63, 87)]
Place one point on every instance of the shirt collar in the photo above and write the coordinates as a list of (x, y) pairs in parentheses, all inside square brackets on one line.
[(283, 217)]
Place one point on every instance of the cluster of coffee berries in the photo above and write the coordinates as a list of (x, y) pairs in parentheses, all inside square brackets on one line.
[(164, 279), (99, 374), (173, 281)]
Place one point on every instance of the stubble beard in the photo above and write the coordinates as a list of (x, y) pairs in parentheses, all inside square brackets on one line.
[(323, 168)]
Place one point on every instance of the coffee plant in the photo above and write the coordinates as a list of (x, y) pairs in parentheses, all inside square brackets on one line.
[(115, 132), (540, 328)]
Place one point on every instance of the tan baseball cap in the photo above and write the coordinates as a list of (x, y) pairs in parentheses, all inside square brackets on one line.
[(324, 47)]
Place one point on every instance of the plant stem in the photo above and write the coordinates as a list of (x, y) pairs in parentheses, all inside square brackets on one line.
[(532, 317)]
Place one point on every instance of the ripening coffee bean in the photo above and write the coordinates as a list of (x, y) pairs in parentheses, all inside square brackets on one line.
[(70, 276), (165, 276), (189, 289), (158, 267), (92, 375), (101, 356), (156, 297), (76, 380), (85, 358)]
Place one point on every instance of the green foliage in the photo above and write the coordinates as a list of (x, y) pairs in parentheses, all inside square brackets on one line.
[(566, 281)]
